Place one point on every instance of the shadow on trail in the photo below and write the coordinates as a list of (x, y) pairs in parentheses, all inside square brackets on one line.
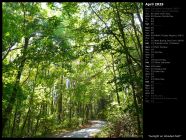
[(86, 132)]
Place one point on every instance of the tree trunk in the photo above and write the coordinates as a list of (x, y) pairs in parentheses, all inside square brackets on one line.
[(129, 63), (60, 89), (37, 122), (135, 103), (60, 107), (24, 123), (139, 17), (14, 121), (138, 40), (13, 97), (115, 81)]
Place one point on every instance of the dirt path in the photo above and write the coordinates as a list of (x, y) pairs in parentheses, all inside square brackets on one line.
[(86, 132)]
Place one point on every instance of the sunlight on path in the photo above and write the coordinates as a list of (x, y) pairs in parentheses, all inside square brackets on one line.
[(86, 132)]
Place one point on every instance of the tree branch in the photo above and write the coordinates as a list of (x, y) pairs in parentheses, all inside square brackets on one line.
[(110, 31)]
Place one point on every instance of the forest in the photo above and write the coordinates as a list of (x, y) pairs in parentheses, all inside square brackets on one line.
[(65, 64)]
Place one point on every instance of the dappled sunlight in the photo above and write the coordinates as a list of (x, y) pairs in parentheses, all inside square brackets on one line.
[(69, 65), (86, 132)]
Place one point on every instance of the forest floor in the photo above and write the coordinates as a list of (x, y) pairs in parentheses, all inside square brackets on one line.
[(87, 131)]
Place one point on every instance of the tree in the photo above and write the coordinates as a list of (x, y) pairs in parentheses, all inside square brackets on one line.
[(97, 47)]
